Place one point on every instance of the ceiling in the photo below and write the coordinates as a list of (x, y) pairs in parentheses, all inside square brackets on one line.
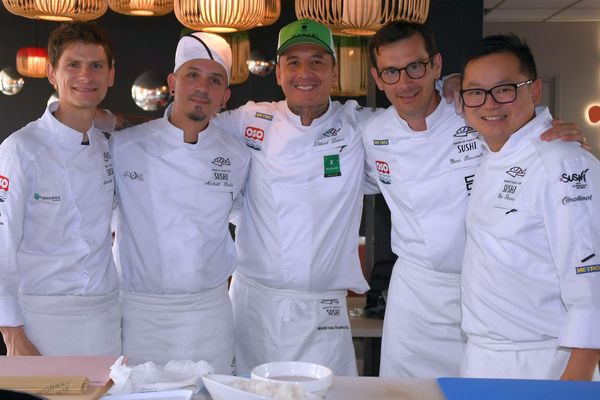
[(541, 10)]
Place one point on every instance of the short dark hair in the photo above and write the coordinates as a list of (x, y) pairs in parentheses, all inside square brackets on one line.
[(511, 44), (401, 30), (73, 32)]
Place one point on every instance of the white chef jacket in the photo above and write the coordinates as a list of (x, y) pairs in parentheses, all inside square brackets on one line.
[(297, 239), (531, 275), (425, 177), (175, 199), (56, 200), (301, 214)]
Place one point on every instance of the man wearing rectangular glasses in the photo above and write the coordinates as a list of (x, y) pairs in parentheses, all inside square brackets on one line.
[(531, 271)]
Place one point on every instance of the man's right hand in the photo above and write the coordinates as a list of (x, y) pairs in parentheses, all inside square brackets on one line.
[(17, 342)]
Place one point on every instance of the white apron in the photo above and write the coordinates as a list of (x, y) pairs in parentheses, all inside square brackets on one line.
[(73, 325), (532, 361), (421, 329), (288, 325), (161, 328)]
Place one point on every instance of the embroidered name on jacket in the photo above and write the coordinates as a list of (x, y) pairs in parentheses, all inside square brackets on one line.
[(220, 172), (330, 136), (465, 148), (510, 186)]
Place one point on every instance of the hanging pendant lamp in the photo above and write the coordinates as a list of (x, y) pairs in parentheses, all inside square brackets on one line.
[(141, 8), (57, 10), (353, 63), (361, 17), (240, 50), (272, 12), (220, 15), (31, 62)]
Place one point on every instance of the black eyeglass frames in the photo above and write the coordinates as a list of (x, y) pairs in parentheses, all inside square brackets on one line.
[(502, 94)]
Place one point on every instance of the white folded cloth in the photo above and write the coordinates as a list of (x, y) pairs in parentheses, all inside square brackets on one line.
[(149, 377)]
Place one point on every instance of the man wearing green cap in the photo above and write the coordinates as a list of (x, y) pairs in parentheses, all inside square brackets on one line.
[(297, 239)]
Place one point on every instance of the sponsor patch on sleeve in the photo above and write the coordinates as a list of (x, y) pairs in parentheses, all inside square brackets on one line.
[(261, 115), (4, 184), (586, 269), (254, 137), (381, 142), (385, 175)]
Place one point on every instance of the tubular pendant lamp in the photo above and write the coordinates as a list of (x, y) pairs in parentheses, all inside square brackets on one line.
[(220, 16), (141, 8), (57, 10), (361, 17)]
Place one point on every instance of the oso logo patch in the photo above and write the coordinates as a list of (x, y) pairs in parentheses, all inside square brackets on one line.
[(4, 182)]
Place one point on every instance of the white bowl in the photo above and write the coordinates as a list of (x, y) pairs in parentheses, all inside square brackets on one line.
[(314, 378), (219, 387)]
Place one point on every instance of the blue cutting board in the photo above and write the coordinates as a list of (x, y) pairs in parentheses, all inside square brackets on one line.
[(521, 389)]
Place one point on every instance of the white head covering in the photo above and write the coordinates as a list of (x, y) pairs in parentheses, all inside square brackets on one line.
[(203, 46)]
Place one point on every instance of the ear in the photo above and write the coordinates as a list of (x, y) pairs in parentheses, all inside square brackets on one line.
[(536, 91), (111, 78), (226, 97), (278, 73), (171, 82), (51, 75), (336, 71), (437, 65), (376, 78)]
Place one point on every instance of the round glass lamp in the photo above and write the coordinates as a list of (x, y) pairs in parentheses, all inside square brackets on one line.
[(150, 91), (11, 82)]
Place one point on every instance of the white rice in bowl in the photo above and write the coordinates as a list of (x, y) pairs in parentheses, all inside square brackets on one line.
[(273, 390)]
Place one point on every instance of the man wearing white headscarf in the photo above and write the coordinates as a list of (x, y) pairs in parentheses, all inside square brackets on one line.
[(178, 178)]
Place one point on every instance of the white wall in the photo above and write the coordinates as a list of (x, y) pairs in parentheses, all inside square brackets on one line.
[(570, 53)]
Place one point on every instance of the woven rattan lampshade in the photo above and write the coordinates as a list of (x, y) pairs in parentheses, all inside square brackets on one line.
[(361, 17), (272, 11), (220, 15), (141, 8), (353, 63), (31, 62), (240, 50), (57, 10)]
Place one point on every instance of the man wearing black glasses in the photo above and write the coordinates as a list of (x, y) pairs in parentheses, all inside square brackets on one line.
[(423, 157), (531, 271)]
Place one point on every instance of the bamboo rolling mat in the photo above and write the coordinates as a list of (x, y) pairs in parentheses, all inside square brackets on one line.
[(46, 384)]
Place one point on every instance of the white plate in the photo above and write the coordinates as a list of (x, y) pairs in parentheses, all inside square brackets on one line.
[(219, 388), (181, 394)]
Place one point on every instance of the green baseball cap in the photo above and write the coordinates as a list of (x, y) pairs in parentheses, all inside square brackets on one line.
[(305, 31)]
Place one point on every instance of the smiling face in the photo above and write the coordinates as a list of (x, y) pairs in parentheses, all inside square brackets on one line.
[(497, 122), (306, 73), (200, 92), (81, 76), (414, 99)]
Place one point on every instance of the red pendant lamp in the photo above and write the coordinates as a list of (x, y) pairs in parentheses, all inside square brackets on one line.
[(31, 62)]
